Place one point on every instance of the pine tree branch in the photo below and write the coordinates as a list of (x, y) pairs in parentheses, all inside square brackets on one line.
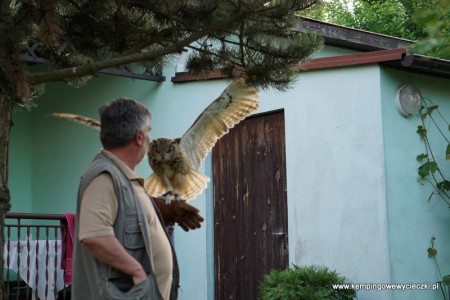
[(241, 42), (90, 69), (211, 53), (4, 4)]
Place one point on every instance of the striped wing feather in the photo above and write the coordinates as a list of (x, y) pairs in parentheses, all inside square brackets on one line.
[(77, 119), (235, 103)]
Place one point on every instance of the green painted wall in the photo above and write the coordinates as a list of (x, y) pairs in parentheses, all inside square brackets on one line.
[(412, 220), (327, 108), (57, 151), (20, 161)]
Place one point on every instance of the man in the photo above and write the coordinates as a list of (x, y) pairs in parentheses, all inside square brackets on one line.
[(122, 250)]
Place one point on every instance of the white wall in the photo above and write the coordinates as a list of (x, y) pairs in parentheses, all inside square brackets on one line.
[(335, 176)]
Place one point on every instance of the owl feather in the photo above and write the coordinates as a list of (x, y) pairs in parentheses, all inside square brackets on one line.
[(235, 103), (77, 119), (175, 162)]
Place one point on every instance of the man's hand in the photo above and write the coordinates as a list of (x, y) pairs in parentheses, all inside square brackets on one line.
[(186, 216), (109, 251)]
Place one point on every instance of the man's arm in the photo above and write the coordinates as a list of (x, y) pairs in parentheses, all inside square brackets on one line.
[(109, 251)]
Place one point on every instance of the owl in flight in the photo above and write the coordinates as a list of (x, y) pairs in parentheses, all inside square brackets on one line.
[(175, 162)]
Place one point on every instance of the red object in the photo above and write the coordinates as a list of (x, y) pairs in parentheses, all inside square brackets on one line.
[(67, 246)]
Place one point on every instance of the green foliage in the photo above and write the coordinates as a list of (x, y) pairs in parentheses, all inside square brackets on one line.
[(309, 282), (389, 17), (251, 37), (432, 253), (446, 279), (429, 170), (333, 11), (436, 22), (427, 21)]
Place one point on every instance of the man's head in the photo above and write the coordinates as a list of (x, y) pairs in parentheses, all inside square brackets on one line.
[(121, 120)]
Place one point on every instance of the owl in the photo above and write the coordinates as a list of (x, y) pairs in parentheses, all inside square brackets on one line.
[(175, 162), (174, 176)]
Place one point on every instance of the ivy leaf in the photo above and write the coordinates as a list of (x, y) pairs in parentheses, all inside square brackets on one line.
[(446, 280), (431, 109), (426, 168), (421, 156), (422, 132), (431, 252), (443, 185), (447, 152)]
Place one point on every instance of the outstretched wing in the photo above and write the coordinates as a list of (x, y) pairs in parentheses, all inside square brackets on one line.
[(77, 119), (235, 103)]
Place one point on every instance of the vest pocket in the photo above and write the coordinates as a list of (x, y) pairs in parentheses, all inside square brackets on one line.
[(144, 290), (134, 243), (133, 236)]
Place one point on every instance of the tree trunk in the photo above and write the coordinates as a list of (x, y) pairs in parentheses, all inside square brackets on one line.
[(6, 107)]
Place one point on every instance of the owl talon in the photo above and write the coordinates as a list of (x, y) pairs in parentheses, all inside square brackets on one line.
[(167, 198), (171, 196)]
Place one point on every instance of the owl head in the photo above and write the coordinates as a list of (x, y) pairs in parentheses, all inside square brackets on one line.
[(163, 150)]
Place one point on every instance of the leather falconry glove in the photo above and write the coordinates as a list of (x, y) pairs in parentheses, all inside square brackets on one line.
[(185, 215)]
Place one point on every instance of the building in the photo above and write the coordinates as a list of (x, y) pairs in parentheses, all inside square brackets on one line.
[(345, 185)]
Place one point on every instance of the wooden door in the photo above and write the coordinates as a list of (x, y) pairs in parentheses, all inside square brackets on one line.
[(250, 206)]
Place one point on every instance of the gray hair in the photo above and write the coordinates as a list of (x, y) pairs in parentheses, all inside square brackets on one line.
[(120, 119)]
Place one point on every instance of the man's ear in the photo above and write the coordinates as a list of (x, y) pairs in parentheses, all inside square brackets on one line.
[(139, 138)]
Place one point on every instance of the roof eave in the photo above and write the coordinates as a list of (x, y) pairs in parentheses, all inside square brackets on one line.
[(422, 64), (342, 36), (384, 49)]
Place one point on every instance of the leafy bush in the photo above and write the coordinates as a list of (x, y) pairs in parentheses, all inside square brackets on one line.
[(309, 282)]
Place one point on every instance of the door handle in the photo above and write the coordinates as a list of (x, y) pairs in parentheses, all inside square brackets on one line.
[(279, 233)]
